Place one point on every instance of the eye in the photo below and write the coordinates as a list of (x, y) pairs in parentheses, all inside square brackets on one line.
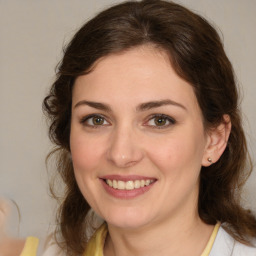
[(160, 121), (94, 121)]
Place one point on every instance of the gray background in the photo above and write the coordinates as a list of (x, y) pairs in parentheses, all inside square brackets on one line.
[(32, 36)]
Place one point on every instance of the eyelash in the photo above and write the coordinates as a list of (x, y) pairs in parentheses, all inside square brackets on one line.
[(84, 121), (171, 121)]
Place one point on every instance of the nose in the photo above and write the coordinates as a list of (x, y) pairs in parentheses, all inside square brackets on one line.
[(124, 148)]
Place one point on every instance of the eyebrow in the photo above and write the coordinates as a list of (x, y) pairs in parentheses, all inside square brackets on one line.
[(142, 107), (156, 104), (93, 104)]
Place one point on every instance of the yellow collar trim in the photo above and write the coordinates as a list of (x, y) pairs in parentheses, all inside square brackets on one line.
[(209, 245), (30, 246), (96, 244)]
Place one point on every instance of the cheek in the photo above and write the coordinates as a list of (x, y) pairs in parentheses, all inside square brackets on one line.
[(85, 158), (85, 152), (183, 151)]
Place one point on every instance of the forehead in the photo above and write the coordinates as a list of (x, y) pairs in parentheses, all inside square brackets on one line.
[(139, 74)]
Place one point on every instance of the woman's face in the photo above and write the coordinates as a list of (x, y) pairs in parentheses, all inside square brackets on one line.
[(137, 139)]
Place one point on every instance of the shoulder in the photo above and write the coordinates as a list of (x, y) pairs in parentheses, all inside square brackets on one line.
[(241, 249), (52, 249), (226, 245)]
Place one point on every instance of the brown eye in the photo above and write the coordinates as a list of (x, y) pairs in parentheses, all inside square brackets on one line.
[(94, 121), (97, 120), (160, 121)]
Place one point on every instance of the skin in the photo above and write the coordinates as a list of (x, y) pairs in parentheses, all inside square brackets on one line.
[(9, 246), (129, 141)]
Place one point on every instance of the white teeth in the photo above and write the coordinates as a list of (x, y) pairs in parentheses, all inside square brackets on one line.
[(128, 185), (137, 184), (120, 184), (114, 184), (147, 182), (110, 183)]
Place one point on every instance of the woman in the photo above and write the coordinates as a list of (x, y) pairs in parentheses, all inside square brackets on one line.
[(145, 116)]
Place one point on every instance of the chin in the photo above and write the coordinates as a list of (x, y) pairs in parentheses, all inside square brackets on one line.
[(127, 224), (128, 219)]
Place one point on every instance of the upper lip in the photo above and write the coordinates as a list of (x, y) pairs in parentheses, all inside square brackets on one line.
[(126, 177)]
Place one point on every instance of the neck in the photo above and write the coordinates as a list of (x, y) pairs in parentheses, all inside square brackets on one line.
[(186, 236)]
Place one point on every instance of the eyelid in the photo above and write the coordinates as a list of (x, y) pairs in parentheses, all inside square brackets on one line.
[(87, 117), (171, 120)]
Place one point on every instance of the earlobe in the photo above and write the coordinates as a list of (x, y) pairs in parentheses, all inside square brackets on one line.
[(217, 139)]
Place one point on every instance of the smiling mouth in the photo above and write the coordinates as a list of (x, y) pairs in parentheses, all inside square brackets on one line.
[(128, 185)]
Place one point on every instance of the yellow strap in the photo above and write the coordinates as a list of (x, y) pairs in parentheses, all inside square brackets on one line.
[(30, 247), (96, 244), (209, 245)]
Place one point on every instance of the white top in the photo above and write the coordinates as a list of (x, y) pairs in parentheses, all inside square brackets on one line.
[(226, 245)]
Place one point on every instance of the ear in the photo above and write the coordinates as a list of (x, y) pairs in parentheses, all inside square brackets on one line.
[(217, 139)]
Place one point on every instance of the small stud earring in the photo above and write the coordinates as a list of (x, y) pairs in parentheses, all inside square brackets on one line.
[(209, 160)]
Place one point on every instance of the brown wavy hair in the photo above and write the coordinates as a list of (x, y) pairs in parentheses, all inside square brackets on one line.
[(197, 55)]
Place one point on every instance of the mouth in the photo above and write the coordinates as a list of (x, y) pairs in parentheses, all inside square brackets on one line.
[(128, 185)]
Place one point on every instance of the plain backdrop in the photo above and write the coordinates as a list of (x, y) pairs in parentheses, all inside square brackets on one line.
[(32, 35)]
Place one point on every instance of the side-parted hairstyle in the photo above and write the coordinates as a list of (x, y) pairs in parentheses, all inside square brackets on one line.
[(196, 54)]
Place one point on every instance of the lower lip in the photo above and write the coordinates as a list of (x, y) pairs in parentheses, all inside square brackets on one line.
[(126, 194)]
